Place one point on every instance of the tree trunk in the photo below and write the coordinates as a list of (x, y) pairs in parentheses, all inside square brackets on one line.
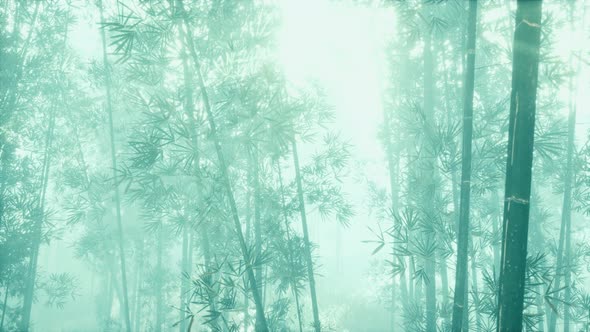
[(570, 175), (299, 318), (461, 286), (210, 269), (189, 109), (307, 243), (109, 107), (444, 281), (257, 221), (39, 212), (394, 154), (525, 67), (540, 311), (261, 324), (38, 215), (138, 283), (454, 191), (248, 229), (496, 220), (568, 289), (475, 290), (567, 205), (117, 291), (186, 232), (291, 251), (393, 161), (185, 276), (159, 280), (430, 160), (411, 287), (109, 299), (6, 301)]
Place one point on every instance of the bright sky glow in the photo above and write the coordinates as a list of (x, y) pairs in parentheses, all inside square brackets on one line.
[(340, 46)]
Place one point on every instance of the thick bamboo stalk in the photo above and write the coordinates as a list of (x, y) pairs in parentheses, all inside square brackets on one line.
[(525, 66)]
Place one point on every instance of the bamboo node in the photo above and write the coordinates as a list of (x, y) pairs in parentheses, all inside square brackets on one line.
[(518, 200), (531, 24)]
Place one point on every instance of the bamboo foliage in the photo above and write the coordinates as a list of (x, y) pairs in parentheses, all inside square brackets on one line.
[(165, 165)]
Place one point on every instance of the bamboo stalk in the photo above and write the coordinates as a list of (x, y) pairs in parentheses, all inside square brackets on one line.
[(120, 236), (261, 324)]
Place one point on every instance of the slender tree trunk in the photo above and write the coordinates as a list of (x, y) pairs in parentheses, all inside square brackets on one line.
[(248, 227), (394, 155), (444, 281), (39, 216), (497, 220), (466, 312), (118, 292), (184, 278), (102, 296), (567, 206), (264, 286), (40, 209), (568, 289), (393, 161), (4, 303), (110, 290), (454, 192), (299, 318), (431, 294), (430, 159), (404, 284), (189, 109), (540, 310), (559, 262), (291, 251), (461, 285), (411, 289), (465, 320), (519, 165), (261, 324), (159, 279), (307, 243), (120, 237), (133, 296), (191, 249), (570, 174), (107, 283), (474, 288), (188, 105), (208, 267), (393, 293), (257, 221), (138, 284)]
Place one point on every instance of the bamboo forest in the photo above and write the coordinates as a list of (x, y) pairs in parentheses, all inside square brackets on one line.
[(294, 165)]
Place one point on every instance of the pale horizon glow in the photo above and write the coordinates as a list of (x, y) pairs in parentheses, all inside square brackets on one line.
[(340, 47)]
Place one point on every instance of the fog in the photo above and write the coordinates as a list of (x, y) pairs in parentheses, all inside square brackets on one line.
[(281, 165)]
